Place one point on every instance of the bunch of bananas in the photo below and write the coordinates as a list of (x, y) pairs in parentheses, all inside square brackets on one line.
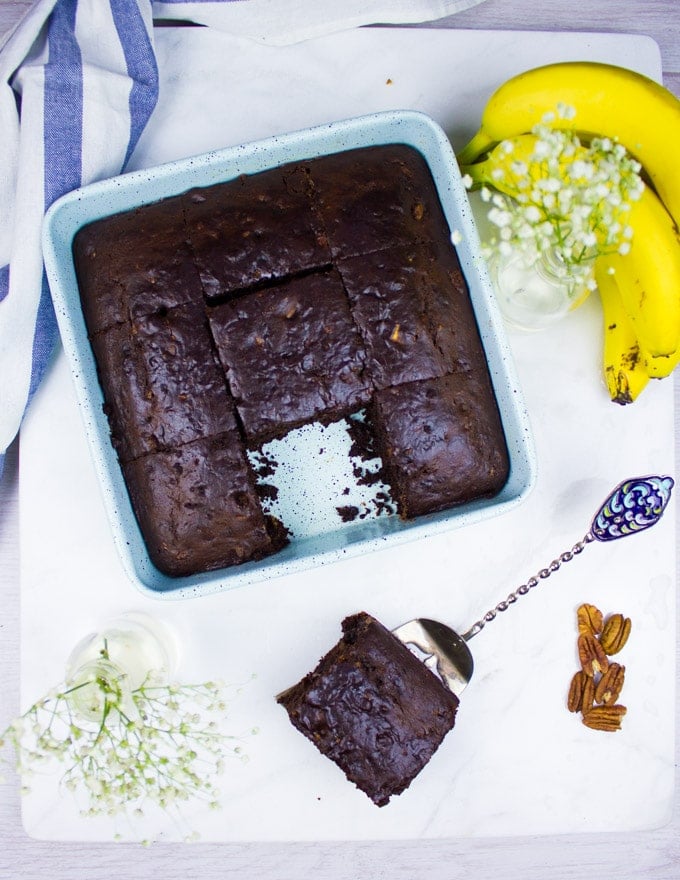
[(640, 290)]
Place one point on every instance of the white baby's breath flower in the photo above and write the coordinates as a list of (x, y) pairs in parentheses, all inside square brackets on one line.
[(542, 150), (167, 754), (549, 201), (569, 203), (553, 185), (500, 216), (565, 111), (532, 214), (581, 170)]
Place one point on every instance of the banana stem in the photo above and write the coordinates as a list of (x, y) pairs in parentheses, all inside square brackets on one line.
[(474, 149)]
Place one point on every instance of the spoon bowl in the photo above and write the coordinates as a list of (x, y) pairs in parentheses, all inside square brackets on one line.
[(448, 655)]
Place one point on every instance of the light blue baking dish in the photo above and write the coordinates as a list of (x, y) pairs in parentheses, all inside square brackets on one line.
[(308, 494)]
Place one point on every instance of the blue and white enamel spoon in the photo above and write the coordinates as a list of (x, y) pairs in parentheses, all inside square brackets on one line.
[(635, 505)]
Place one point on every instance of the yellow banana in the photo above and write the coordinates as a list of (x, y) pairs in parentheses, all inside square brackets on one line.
[(496, 169), (648, 278), (609, 101), (660, 367), (624, 370)]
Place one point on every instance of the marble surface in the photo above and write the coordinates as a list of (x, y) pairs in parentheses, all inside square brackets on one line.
[(72, 579), (631, 855)]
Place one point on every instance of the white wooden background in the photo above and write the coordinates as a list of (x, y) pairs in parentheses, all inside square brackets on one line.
[(651, 855)]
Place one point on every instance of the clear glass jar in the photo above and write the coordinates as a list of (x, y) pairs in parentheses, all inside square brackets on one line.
[(532, 297), (118, 659)]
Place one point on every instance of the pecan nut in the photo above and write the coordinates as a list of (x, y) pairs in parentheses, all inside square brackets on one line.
[(575, 697), (581, 693), (610, 685), (605, 717), (591, 655), (589, 619), (615, 633), (588, 695)]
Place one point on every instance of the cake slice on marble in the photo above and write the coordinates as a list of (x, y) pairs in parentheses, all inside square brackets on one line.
[(373, 708)]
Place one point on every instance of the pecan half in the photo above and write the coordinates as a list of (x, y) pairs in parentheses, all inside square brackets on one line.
[(588, 695), (592, 656), (604, 717), (589, 619), (576, 689), (615, 633), (609, 686)]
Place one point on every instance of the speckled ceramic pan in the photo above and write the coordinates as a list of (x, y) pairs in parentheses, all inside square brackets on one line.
[(314, 470)]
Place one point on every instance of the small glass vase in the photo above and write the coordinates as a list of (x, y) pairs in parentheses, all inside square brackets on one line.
[(532, 296), (111, 663)]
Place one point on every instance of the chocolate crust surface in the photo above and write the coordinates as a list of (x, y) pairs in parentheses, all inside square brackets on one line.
[(135, 263), (198, 508), (258, 228), (441, 440), (292, 354), (162, 383), (376, 197)]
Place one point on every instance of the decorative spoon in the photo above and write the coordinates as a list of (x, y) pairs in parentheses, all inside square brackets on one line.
[(635, 505)]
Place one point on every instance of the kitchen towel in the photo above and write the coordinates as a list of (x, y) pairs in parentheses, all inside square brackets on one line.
[(78, 83)]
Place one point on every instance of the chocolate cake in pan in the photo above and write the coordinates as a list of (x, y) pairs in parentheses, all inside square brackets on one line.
[(228, 315)]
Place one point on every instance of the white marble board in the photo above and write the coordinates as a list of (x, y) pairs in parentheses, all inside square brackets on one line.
[(517, 762)]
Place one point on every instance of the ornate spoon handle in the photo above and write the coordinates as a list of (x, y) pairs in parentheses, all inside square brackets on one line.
[(635, 505)]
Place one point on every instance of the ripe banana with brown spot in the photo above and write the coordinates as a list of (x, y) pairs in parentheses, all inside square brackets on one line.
[(648, 278), (660, 367), (609, 101), (624, 367)]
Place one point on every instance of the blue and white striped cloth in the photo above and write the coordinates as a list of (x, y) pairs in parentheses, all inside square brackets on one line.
[(78, 83)]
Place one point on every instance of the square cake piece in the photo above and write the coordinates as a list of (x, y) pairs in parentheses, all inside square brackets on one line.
[(407, 307), (135, 263), (376, 197), (373, 708), (254, 229), (441, 442), (198, 509), (292, 353), (450, 316), (163, 385)]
